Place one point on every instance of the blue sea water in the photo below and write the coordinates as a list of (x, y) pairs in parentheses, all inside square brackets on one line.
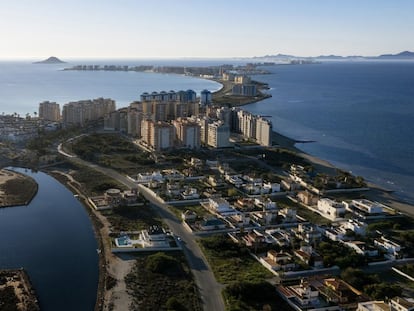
[(24, 85), (361, 115)]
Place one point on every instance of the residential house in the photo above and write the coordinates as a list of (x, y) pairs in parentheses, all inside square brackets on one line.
[(391, 248), (190, 194), (307, 198), (402, 304), (212, 224), (331, 209), (254, 239), (279, 261), (373, 306), (188, 216)]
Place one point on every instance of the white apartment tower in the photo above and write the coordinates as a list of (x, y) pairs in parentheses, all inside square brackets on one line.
[(218, 135)]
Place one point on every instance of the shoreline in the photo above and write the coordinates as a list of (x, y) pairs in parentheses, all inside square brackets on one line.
[(376, 192), (111, 293)]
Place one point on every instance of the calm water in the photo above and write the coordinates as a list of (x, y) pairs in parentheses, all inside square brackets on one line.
[(360, 115), (24, 85), (52, 238)]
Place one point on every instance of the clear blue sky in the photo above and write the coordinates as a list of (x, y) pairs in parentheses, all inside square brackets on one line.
[(196, 28)]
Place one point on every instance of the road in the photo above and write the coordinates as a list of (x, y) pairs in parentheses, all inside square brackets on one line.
[(209, 288)]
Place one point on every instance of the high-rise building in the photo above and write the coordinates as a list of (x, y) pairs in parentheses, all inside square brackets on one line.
[(158, 135), (218, 135), (264, 131), (205, 98), (49, 111), (187, 132), (80, 112)]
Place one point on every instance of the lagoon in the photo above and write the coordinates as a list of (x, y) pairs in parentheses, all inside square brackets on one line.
[(52, 238)]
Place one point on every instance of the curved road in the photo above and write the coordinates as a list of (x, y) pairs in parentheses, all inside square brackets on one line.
[(209, 288)]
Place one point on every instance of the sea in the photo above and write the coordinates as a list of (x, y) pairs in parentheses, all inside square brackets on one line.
[(358, 113), (360, 116)]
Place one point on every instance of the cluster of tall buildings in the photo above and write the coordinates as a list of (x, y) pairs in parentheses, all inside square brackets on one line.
[(76, 113), (80, 112), (164, 120), (243, 85), (179, 119)]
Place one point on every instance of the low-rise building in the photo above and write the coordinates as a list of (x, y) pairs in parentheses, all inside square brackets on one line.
[(331, 209), (401, 304), (279, 261), (373, 306), (391, 248), (212, 224)]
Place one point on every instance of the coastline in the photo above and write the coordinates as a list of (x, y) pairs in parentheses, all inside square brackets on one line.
[(376, 192)]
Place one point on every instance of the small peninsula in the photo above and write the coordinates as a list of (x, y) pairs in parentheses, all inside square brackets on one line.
[(16, 189), (51, 60)]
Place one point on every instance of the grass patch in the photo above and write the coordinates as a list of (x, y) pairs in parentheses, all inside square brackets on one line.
[(94, 182), (18, 191), (132, 218), (231, 262), (164, 281)]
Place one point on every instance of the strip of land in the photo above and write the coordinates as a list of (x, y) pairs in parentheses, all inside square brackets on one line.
[(16, 189), (16, 292)]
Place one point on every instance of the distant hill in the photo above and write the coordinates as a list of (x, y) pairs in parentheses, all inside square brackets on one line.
[(402, 55), (284, 57), (51, 60)]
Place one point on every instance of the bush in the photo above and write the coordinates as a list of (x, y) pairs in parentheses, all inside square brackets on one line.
[(163, 264)]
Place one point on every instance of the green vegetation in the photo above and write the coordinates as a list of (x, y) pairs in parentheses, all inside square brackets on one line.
[(231, 262), (111, 150), (94, 182), (45, 139), (250, 296), (17, 191), (198, 209), (334, 253), (132, 218), (382, 290), (370, 284), (164, 281), (246, 288)]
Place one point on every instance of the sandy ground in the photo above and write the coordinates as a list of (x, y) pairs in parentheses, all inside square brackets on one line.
[(6, 175)]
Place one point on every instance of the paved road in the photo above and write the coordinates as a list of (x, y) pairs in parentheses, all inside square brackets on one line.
[(209, 288)]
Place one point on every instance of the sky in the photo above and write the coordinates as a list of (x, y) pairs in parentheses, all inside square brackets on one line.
[(37, 29)]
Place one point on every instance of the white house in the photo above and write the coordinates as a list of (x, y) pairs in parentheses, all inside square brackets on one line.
[(219, 205), (392, 248), (331, 209), (367, 206), (190, 194)]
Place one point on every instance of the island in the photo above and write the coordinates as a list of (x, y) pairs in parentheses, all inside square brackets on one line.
[(51, 60)]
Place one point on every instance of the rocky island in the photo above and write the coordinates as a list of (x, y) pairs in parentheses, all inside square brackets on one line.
[(51, 60)]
